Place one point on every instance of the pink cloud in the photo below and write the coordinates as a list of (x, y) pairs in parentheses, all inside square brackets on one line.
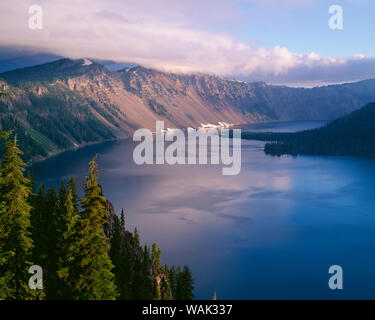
[(144, 32)]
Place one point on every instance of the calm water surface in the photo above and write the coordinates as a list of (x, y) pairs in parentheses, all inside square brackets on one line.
[(270, 232)]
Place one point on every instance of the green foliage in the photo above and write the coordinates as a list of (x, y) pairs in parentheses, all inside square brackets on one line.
[(116, 253), (166, 285), (185, 284), (15, 238), (85, 251), (122, 222), (156, 256), (157, 293), (96, 279), (136, 236), (173, 280), (351, 135), (159, 109), (68, 268), (54, 121)]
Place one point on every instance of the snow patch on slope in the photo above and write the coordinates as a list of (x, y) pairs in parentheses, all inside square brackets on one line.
[(86, 62)]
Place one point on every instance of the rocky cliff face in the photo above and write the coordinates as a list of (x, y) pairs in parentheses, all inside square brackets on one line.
[(69, 103)]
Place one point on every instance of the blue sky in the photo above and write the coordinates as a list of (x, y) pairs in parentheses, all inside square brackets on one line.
[(302, 26), (277, 41)]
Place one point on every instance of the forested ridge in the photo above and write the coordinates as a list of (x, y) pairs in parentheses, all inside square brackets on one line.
[(55, 121), (83, 247), (68, 103), (351, 135)]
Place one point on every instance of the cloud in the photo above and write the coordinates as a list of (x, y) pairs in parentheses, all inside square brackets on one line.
[(168, 35), (311, 69)]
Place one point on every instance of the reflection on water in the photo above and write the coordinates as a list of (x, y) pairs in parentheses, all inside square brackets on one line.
[(270, 232)]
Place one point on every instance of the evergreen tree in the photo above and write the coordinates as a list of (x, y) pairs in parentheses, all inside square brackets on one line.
[(147, 282), (40, 293), (31, 178), (117, 256), (51, 218), (157, 294), (127, 268), (75, 199), (136, 236), (71, 245), (179, 295), (188, 284), (165, 285), (39, 227), (15, 237), (122, 219), (67, 263), (138, 292), (62, 194), (156, 257), (96, 281), (173, 280), (185, 284)]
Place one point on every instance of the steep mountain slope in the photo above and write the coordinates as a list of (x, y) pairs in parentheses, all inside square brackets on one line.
[(352, 135), (67, 103)]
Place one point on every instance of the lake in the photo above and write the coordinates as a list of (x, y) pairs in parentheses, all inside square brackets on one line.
[(271, 232)]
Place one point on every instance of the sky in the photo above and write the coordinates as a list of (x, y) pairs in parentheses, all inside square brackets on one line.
[(278, 41)]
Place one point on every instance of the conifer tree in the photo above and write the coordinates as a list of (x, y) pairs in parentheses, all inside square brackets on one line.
[(179, 284), (15, 237), (157, 290), (122, 219), (137, 291), (96, 281), (127, 265), (31, 178), (165, 285), (39, 227), (172, 280), (156, 257), (147, 282), (62, 194), (70, 244), (185, 284), (67, 263), (75, 199), (189, 283), (136, 236), (117, 256), (51, 218)]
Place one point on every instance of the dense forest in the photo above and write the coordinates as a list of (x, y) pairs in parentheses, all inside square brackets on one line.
[(83, 247), (69, 121), (351, 135)]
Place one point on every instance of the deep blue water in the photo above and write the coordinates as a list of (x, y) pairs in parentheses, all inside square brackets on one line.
[(270, 232), (283, 126)]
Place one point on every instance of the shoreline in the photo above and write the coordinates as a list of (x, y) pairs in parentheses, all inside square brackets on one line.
[(39, 159)]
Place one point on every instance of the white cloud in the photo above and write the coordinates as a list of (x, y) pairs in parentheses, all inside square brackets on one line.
[(168, 35)]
